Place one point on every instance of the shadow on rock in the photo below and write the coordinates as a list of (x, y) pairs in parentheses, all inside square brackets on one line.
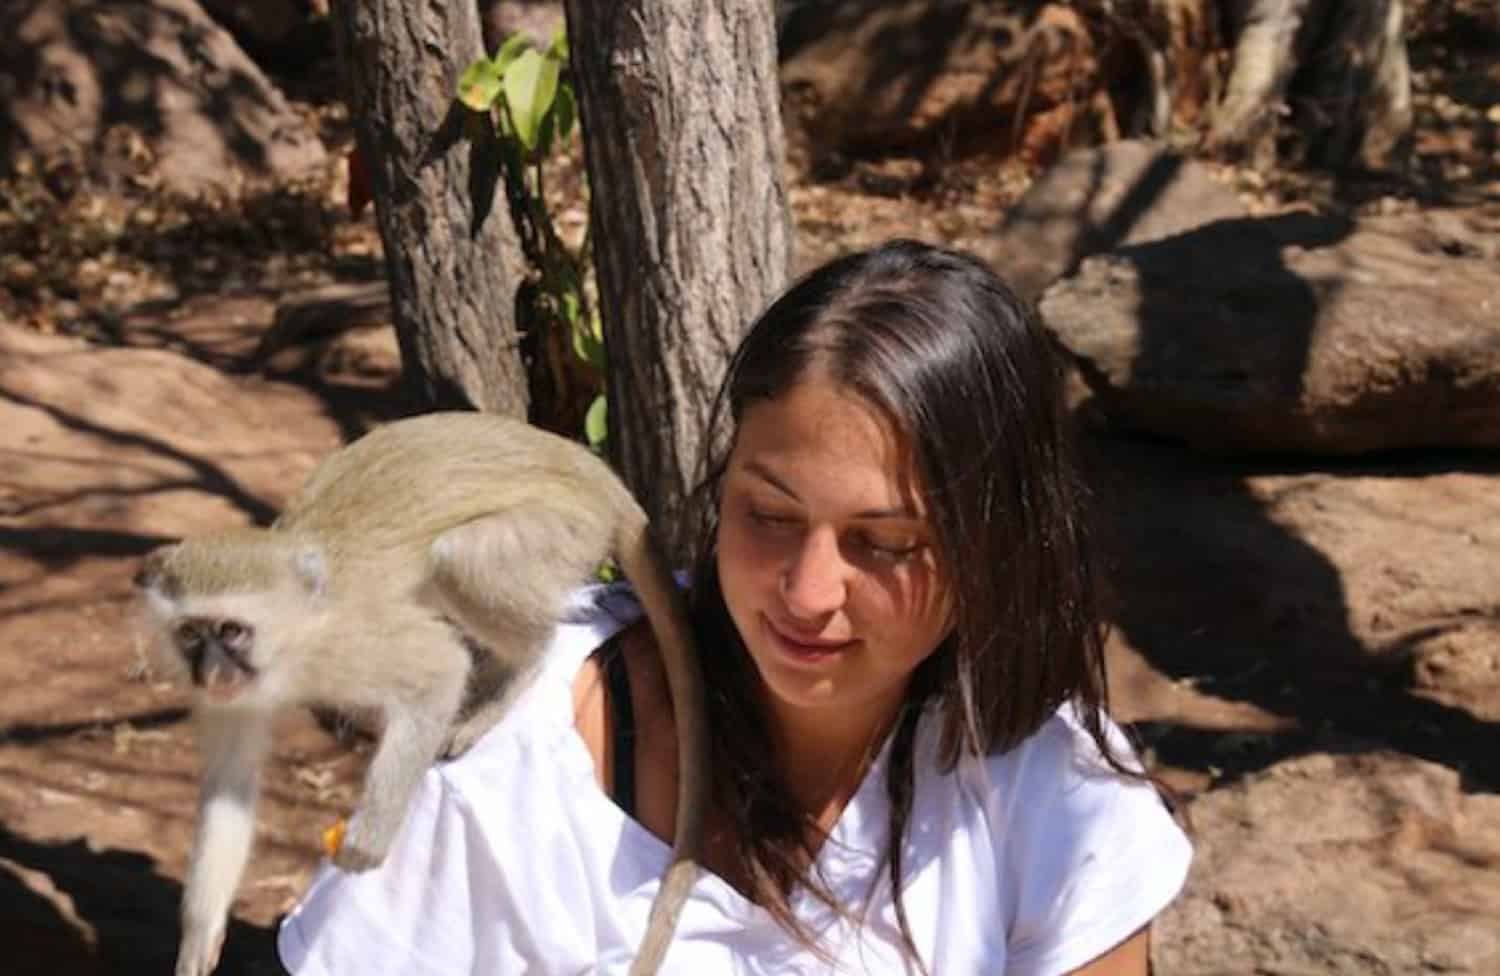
[(1208, 337)]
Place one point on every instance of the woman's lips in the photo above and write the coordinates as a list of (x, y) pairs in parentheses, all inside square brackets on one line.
[(804, 648)]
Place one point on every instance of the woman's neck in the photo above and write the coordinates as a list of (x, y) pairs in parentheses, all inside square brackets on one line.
[(824, 754)]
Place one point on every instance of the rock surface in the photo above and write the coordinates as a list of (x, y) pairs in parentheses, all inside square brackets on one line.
[(154, 87), (1099, 198), (1400, 826), (1296, 333)]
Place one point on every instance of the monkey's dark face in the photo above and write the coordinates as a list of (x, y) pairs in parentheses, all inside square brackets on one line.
[(217, 651), (219, 612)]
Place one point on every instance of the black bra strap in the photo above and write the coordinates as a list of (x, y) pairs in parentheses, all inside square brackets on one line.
[(623, 732)]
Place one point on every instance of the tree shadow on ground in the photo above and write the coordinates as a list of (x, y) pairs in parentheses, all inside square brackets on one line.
[(112, 913), (205, 475), (1208, 586), (1213, 591), (298, 344)]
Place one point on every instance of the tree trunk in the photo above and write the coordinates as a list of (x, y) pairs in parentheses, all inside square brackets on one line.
[(1265, 58), (682, 134), (1356, 104), (452, 260), (1336, 68)]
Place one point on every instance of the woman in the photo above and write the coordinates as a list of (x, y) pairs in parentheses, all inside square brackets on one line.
[(896, 615)]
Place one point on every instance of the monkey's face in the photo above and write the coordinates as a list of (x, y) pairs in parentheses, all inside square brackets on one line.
[(218, 611), (219, 645), (218, 653)]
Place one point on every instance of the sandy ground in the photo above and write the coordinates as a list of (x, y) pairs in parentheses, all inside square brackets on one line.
[(1309, 652)]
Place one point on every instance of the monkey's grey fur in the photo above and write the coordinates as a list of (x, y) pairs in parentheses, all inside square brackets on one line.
[(418, 575)]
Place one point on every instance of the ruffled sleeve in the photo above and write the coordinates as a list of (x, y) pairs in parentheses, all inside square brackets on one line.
[(1091, 855)]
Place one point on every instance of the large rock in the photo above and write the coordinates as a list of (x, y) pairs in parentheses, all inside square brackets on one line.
[(872, 75), (1099, 198), (76, 74), (1346, 865), (1296, 333), (1018, 77)]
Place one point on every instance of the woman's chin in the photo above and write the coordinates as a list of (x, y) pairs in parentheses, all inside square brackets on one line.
[(798, 679)]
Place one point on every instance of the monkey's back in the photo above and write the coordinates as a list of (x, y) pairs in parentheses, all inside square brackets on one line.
[(392, 491)]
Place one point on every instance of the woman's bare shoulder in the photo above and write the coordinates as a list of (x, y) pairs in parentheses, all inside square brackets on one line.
[(654, 732)]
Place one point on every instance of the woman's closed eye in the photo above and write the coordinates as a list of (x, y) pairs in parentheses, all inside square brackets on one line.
[(894, 547), (773, 519)]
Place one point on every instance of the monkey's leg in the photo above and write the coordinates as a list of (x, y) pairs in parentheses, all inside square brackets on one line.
[(493, 687), (503, 579), (232, 744), (415, 726)]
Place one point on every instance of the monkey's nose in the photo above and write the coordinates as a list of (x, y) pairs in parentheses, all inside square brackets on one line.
[(196, 657), (217, 667)]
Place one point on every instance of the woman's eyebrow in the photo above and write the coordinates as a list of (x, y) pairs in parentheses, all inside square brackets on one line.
[(767, 475)]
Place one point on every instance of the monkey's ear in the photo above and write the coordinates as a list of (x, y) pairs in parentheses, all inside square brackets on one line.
[(152, 571), (311, 569)]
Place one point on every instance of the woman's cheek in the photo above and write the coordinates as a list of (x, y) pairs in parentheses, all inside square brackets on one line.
[(735, 559)]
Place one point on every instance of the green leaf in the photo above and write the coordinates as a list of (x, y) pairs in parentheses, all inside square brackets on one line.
[(559, 47), (511, 49), (545, 137), (530, 85), (596, 422), (588, 343), (567, 111), (479, 85), (510, 159)]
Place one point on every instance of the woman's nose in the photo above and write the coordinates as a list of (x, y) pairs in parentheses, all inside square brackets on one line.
[(813, 583)]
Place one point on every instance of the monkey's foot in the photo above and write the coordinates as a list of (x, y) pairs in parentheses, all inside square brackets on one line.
[(351, 858), (358, 851), (469, 731)]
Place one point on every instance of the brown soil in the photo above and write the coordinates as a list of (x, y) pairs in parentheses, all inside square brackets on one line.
[(1279, 623)]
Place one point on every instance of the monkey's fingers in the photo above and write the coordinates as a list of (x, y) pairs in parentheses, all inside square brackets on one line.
[(333, 836)]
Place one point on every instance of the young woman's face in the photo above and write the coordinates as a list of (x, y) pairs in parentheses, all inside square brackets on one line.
[(825, 555)]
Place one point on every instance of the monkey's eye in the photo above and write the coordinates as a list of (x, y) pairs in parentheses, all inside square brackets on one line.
[(186, 636), (232, 632)]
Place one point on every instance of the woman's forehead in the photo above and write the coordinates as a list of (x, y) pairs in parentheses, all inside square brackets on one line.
[(820, 438)]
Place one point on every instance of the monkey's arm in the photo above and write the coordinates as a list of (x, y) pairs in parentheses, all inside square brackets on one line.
[(418, 716), (477, 580), (232, 744)]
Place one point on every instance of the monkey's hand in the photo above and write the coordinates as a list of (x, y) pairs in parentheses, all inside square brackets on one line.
[(363, 846), (198, 953)]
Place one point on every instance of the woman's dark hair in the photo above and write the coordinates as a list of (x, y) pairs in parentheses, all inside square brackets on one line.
[(963, 371)]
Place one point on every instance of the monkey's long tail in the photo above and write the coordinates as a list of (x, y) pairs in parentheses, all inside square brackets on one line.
[(647, 571)]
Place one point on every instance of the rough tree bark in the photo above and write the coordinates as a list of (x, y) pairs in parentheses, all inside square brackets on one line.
[(452, 260), (682, 136), (1265, 58), (1337, 69), (1356, 108)]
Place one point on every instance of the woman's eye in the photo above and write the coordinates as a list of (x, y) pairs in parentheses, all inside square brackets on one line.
[(895, 550), (771, 519)]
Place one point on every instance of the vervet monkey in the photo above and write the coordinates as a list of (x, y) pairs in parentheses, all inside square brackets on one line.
[(419, 574)]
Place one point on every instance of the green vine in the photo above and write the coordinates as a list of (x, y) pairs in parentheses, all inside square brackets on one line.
[(525, 93)]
